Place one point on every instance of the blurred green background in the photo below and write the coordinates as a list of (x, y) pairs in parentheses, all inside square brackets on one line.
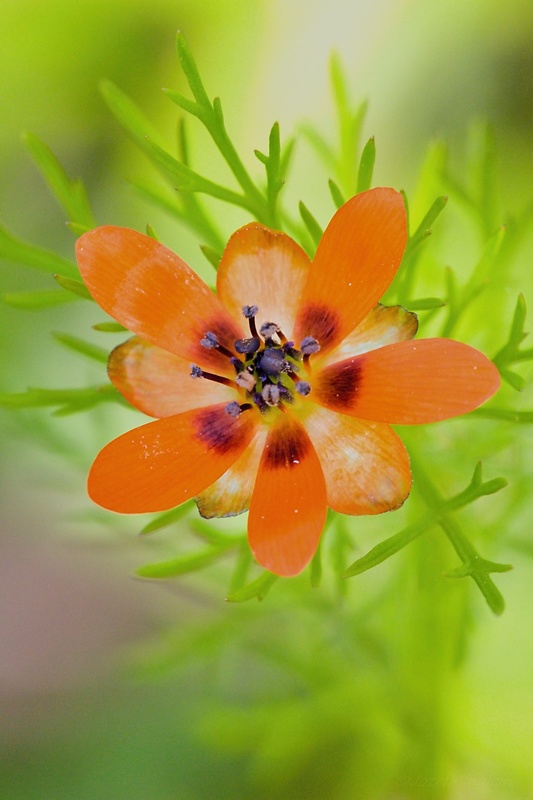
[(116, 688)]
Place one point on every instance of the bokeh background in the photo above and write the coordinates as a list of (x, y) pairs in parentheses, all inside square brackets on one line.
[(111, 687)]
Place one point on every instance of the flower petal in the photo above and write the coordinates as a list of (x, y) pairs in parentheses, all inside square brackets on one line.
[(384, 325), (151, 291), (408, 383), (288, 508), (355, 262), (365, 464), (231, 494), (165, 462), (159, 383), (263, 268)]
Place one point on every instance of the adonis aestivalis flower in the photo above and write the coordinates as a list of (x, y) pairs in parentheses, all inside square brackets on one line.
[(276, 394)]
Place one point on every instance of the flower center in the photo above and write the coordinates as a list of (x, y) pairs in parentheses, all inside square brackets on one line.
[(267, 367)]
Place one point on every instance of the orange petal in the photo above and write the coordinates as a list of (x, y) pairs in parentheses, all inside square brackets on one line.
[(288, 508), (356, 260), (232, 493), (409, 383), (162, 464), (159, 383), (384, 325), (365, 464), (151, 291), (263, 268)]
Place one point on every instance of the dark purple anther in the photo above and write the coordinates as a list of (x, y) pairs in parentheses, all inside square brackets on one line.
[(210, 341), (248, 346), (309, 345), (303, 388)]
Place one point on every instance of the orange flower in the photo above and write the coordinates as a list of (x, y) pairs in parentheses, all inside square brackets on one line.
[(277, 395)]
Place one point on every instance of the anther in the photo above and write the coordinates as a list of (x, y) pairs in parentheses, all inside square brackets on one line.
[(234, 409), (250, 312), (303, 388), (271, 394), (198, 372), (309, 345), (248, 346), (268, 329), (245, 380), (210, 342)]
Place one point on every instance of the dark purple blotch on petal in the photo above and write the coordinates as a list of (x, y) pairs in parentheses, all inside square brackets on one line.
[(219, 430), (340, 383), (286, 450), (320, 322)]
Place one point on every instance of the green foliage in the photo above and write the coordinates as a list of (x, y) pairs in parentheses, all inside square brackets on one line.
[(511, 353), (440, 513), (70, 194), (29, 255), (66, 401)]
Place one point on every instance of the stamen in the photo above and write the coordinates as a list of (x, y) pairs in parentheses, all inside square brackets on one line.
[(271, 394), (268, 329), (250, 312), (245, 380), (210, 342), (309, 345), (198, 372), (248, 346), (234, 409), (303, 388)]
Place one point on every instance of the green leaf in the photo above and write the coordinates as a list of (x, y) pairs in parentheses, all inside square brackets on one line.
[(474, 565), (205, 529), (426, 303), (70, 194), (256, 589), (109, 327), (67, 401), (336, 193), (77, 229), (511, 353), (366, 166), (424, 229), (190, 70), (316, 567), (168, 518), (128, 114), (87, 349), (390, 546), (74, 286), (212, 255), (504, 414), (242, 568), (310, 223), (181, 565), (35, 301), (189, 181), (184, 103), (31, 256)]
